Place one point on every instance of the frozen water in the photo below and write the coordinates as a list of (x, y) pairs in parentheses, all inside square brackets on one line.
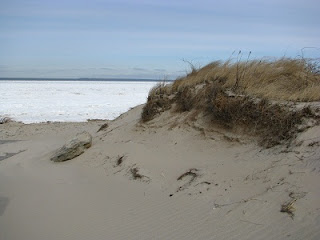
[(65, 101)]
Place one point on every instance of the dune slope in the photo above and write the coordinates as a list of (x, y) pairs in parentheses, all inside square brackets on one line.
[(164, 179)]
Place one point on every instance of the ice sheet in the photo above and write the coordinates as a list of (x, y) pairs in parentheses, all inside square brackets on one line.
[(41, 101)]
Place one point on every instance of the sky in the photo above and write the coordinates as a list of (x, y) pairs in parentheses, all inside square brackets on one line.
[(148, 38)]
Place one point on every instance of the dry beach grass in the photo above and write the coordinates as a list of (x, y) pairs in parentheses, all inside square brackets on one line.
[(255, 95), (281, 79)]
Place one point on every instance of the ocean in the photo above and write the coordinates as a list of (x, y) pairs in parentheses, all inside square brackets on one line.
[(32, 101)]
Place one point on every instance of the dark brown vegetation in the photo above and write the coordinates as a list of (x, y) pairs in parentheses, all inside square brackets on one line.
[(288, 208), (254, 95), (103, 126), (157, 102), (275, 123), (135, 173), (190, 172), (120, 160)]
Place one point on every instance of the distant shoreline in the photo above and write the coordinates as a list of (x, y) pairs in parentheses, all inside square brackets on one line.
[(86, 79)]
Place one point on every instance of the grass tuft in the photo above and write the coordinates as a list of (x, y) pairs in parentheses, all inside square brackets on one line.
[(184, 100), (288, 208), (157, 102), (281, 79)]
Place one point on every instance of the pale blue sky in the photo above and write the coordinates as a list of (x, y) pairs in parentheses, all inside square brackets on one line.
[(145, 38)]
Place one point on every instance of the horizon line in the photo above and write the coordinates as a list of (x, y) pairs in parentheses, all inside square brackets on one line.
[(86, 79)]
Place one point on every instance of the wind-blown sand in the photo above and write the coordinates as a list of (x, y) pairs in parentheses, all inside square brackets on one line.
[(191, 183)]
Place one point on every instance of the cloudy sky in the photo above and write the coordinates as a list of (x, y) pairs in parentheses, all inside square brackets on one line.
[(148, 38)]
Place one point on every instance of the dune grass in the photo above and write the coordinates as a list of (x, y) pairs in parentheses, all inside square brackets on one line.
[(249, 94), (158, 101), (282, 79)]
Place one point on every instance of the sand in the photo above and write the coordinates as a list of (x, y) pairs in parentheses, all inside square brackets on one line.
[(160, 180)]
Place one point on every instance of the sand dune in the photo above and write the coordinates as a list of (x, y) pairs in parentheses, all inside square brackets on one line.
[(159, 180)]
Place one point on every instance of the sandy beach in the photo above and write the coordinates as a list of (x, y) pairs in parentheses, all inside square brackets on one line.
[(158, 180), (159, 120)]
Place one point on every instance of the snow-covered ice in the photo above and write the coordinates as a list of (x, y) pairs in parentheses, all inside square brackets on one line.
[(41, 101)]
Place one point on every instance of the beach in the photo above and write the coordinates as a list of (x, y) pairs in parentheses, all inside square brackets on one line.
[(159, 120), (163, 179)]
